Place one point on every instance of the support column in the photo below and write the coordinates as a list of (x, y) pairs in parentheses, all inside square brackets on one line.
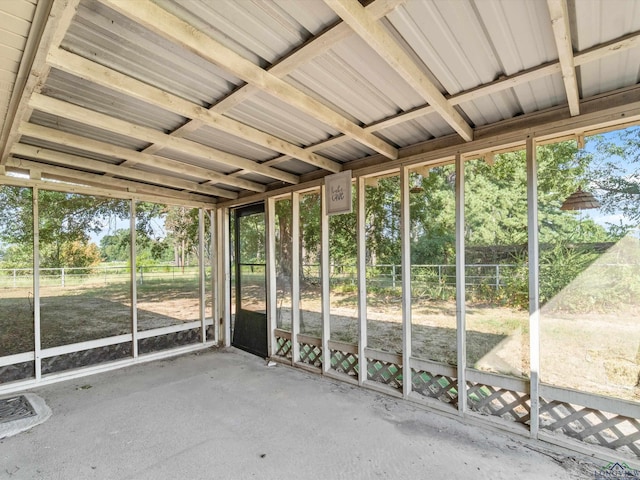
[(534, 285), (295, 276), (405, 235), (460, 288), (215, 272), (326, 292), (202, 276), (272, 310), (134, 281), (225, 284), (362, 284), (37, 347)]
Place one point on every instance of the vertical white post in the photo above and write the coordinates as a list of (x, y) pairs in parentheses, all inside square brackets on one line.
[(225, 284), (405, 236), (362, 283), (324, 276), (134, 285), (460, 287), (295, 275), (534, 286), (36, 285), (62, 277), (215, 280), (272, 311), (202, 276)]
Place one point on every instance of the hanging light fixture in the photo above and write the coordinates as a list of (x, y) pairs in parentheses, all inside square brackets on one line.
[(580, 200)]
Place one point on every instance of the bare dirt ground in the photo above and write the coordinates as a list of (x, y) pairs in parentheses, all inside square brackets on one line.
[(594, 352)]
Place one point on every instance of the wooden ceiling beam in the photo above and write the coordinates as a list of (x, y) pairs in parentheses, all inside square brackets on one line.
[(171, 27), (119, 82), (133, 157), (73, 161), (105, 122), (372, 32), (50, 37), (560, 22), (69, 175)]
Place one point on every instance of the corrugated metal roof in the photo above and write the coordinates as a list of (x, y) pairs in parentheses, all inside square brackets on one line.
[(108, 38), (277, 118), (71, 126), (231, 144), (78, 91), (15, 23), (295, 70)]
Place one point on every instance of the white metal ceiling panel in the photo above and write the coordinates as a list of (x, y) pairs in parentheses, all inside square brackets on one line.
[(358, 82), (108, 38), (231, 144), (15, 23), (261, 31), (78, 91), (277, 118), (346, 151), (77, 128), (597, 22)]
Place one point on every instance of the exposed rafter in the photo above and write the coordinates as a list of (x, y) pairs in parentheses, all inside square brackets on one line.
[(74, 161), (71, 175), (60, 17), (133, 157), (370, 30), (561, 31), (169, 26), (105, 122), (504, 83), (109, 78)]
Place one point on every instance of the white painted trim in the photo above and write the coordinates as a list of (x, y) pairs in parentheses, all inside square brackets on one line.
[(272, 300), (215, 248), (17, 358), (461, 333), (431, 403), (405, 235), (495, 380), (434, 367), (133, 278), (382, 388), (105, 367), (590, 400), (295, 276), (202, 276), (343, 377), (36, 284), (362, 281), (534, 285), (324, 277), (225, 285), (88, 345), (156, 332), (383, 356)]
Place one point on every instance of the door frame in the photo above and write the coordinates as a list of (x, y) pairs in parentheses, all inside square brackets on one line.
[(252, 326)]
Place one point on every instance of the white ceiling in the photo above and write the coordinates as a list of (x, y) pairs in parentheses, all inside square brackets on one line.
[(214, 99)]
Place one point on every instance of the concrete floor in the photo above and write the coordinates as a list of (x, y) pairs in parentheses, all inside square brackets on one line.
[(224, 414)]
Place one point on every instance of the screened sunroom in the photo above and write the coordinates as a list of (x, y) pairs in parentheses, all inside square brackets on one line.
[(435, 200)]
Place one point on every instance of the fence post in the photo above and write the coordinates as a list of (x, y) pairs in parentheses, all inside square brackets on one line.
[(497, 277), (105, 275), (62, 276), (393, 281), (14, 278), (141, 277)]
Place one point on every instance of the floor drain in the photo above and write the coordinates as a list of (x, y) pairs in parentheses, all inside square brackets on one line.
[(15, 408)]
